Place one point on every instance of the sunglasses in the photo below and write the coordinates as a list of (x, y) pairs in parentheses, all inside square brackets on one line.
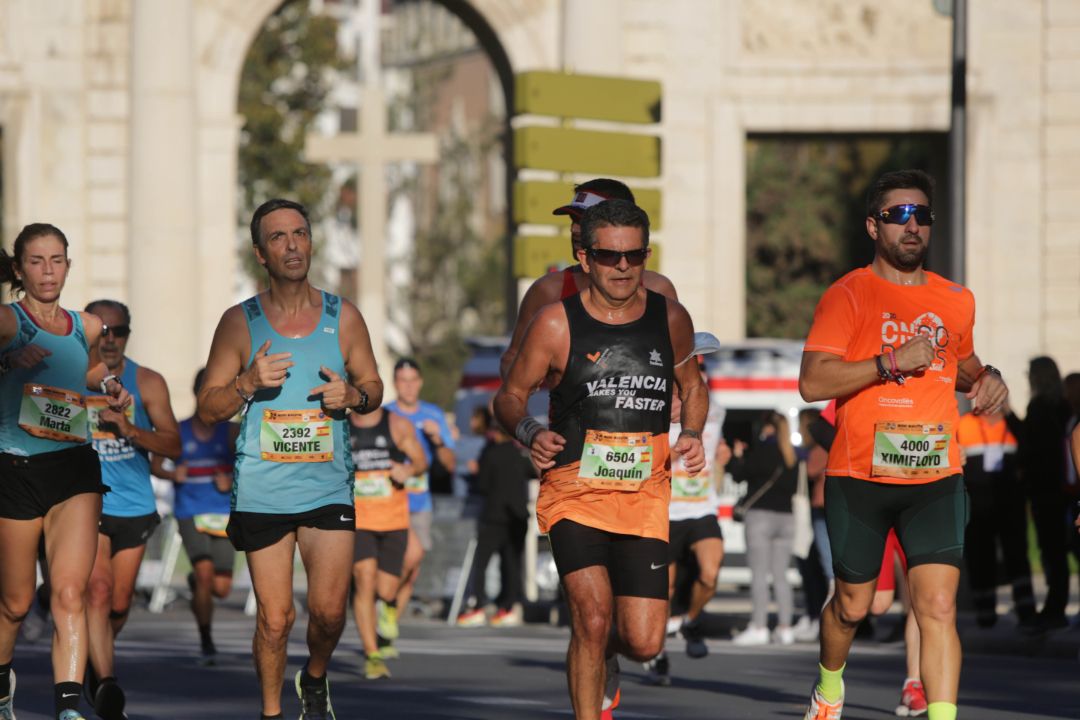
[(611, 258), (117, 331), (900, 214)]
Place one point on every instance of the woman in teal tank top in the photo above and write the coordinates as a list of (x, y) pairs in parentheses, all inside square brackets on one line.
[(48, 469)]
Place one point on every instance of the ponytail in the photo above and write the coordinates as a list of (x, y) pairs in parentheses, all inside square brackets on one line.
[(7, 271)]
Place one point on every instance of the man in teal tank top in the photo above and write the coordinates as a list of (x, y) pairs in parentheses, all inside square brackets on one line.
[(123, 441), (293, 360)]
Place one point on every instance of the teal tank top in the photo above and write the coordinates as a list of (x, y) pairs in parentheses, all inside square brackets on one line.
[(125, 468), (42, 408), (291, 457)]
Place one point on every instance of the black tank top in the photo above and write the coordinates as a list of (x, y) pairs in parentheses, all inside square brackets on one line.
[(618, 378), (373, 448)]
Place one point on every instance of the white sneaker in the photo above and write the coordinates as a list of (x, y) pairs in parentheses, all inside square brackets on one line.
[(673, 625), (784, 636), (752, 635), (806, 630)]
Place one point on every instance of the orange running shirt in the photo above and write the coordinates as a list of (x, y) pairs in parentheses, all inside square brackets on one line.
[(887, 432), (380, 505)]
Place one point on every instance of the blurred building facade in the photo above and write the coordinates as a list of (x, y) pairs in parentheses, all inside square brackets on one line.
[(118, 123)]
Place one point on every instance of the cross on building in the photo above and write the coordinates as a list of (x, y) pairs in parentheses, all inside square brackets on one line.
[(372, 148)]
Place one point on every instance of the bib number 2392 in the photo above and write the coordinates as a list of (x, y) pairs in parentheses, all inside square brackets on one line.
[(616, 461), (292, 436), (911, 450)]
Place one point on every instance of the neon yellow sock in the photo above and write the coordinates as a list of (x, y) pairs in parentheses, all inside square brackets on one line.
[(941, 711), (830, 682)]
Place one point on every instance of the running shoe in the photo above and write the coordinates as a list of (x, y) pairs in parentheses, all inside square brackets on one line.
[(472, 618), (375, 667), (387, 625), (69, 715), (806, 629), (694, 634), (505, 618), (912, 700), (611, 684), (109, 700), (821, 710), (658, 671), (208, 654), (314, 701), (7, 704), (673, 624)]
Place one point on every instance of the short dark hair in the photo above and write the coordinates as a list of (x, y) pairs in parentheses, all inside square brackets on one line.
[(9, 263), (113, 304), (270, 206), (1045, 378), (611, 189), (406, 362), (898, 180), (613, 213)]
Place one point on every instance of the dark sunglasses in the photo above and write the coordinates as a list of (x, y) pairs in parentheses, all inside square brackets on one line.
[(900, 214), (611, 258), (117, 331)]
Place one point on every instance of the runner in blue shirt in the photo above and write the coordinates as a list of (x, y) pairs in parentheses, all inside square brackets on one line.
[(293, 360), (50, 478), (437, 442), (123, 442), (203, 481)]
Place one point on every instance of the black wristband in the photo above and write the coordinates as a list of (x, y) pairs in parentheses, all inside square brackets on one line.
[(362, 406), (883, 374)]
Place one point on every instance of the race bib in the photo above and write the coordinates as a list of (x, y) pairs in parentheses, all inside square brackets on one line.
[(616, 461), (94, 405), (372, 484), (53, 413), (417, 484), (212, 523), (291, 436), (690, 489), (911, 450)]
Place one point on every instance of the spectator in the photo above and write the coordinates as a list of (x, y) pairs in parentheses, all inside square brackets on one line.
[(816, 567), (1041, 443), (770, 470), (503, 479), (469, 448), (998, 516)]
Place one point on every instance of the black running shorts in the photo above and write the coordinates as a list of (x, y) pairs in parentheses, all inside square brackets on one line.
[(31, 486), (684, 533), (251, 531), (637, 566), (388, 549), (929, 519), (125, 533)]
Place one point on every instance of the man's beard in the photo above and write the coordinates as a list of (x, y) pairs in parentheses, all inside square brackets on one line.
[(903, 259)]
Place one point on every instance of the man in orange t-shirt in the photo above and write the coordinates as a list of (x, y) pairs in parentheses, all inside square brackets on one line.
[(892, 343)]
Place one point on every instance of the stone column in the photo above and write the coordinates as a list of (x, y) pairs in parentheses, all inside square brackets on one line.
[(592, 37), (163, 278)]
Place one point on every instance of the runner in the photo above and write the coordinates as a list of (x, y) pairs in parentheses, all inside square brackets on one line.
[(553, 287), (438, 445), (50, 477), (293, 359), (609, 353), (202, 482), (893, 342), (387, 454), (123, 441), (695, 539)]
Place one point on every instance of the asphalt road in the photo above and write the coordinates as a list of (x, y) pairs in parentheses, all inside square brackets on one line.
[(486, 673)]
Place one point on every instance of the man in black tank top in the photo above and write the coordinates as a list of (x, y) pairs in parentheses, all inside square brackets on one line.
[(612, 355)]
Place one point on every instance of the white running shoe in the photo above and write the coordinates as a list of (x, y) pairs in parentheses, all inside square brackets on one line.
[(752, 635), (806, 630), (819, 709)]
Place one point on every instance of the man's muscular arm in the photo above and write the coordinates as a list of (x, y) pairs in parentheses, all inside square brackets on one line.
[(545, 347), (363, 373), (824, 376), (544, 290)]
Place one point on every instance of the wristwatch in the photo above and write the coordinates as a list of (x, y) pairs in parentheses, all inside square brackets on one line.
[(105, 383), (988, 369)]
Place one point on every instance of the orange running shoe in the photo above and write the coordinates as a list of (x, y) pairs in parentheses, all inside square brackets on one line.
[(821, 710)]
